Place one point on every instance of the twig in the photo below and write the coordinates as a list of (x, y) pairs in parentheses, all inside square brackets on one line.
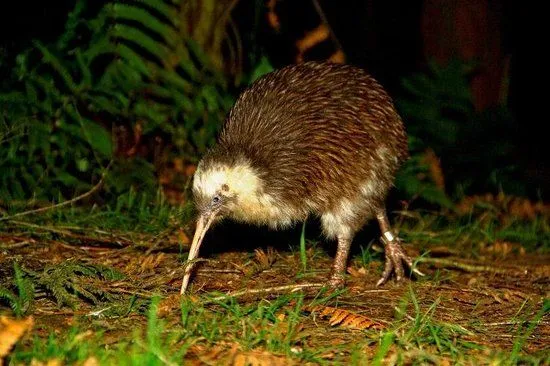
[(16, 245), (64, 231), (98, 312), (65, 203), (496, 324), (292, 288), (230, 271), (468, 267)]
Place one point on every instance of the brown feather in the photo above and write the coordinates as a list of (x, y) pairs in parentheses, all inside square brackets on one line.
[(316, 133)]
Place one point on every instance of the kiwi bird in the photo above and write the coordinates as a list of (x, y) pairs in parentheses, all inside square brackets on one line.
[(309, 139)]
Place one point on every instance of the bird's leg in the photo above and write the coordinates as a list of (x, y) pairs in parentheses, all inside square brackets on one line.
[(395, 255), (340, 261)]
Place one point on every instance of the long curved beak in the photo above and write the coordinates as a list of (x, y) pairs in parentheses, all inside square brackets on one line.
[(203, 223)]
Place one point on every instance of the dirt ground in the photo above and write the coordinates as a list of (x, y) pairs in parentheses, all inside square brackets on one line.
[(489, 298)]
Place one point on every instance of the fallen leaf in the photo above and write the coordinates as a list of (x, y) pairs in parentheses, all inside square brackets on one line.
[(434, 166), (169, 305), (265, 259), (91, 361), (311, 39), (51, 362), (272, 17), (354, 272), (11, 331), (338, 57), (183, 238), (344, 317), (504, 248), (259, 358)]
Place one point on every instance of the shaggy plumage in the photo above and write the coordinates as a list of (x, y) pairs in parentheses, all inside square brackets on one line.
[(310, 139)]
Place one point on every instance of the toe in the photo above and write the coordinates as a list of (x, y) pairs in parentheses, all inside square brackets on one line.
[(388, 268), (398, 268), (336, 281)]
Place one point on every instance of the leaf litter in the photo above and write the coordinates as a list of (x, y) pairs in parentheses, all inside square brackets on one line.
[(494, 306)]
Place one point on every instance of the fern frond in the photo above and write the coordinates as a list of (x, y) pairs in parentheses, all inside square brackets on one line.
[(148, 20), (168, 12), (25, 288), (73, 20), (133, 59), (11, 299), (130, 34), (55, 63)]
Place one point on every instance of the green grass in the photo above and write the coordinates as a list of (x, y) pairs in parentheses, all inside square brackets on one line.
[(273, 326), (421, 331), (19, 299), (130, 212), (468, 232), (153, 345)]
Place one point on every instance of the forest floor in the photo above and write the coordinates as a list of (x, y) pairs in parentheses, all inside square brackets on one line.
[(99, 287)]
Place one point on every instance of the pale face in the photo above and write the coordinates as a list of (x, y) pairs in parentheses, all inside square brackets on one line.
[(222, 189), (218, 190)]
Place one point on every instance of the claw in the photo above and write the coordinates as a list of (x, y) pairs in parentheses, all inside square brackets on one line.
[(395, 256)]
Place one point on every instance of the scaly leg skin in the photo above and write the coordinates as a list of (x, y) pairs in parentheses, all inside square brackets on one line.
[(395, 255), (339, 268)]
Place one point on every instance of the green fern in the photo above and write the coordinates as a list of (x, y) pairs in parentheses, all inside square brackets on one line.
[(138, 66), (413, 182), (475, 148), (21, 302), (68, 281), (12, 300)]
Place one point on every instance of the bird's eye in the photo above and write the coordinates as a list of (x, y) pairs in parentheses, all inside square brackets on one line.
[(216, 199)]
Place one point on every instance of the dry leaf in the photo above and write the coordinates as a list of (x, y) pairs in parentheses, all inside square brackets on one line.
[(312, 38), (11, 331), (51, 362), (259, 358), (272, 17), (151, 262), (265, 260), (231, 354), (183, 238), (434, 166), (169, 305), (504, 248), (344, 317), (91, 361), (81, 336), (212, 356), (505, 206), (354, 272), (338, 57)]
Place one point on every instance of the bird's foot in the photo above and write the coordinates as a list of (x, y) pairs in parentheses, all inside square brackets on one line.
[(336, 281), (395, 256)]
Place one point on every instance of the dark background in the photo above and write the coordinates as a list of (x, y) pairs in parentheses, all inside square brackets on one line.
[(391, 39)]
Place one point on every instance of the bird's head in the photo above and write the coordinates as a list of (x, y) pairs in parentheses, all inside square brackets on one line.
[(218, 190)]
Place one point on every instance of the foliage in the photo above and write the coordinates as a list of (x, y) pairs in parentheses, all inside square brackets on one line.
[(21, 302), (478, 230), (475, 148), (132, 65), (64, 281), (61, 281), (414, 181)]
